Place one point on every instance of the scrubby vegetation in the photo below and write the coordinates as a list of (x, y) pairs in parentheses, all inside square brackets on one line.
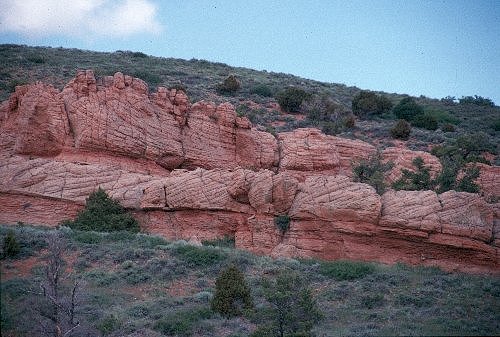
[(401, 130), (290, 99), (232, 294), (103, 214), (10, 246), (137, 284), (372, 172), (200, 79), (230, 85), (282, 222), (367, 103)]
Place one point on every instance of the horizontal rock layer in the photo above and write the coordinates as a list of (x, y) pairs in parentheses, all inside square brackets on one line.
[(200, 172)]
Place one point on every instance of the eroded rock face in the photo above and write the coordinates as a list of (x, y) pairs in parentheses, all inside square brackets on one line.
[(310, 151), (199, 171), (36, 115), (489, 181), (403, 159)]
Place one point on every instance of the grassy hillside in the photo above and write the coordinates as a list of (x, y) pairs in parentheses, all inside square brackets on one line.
[(23, 64), (141, 285)]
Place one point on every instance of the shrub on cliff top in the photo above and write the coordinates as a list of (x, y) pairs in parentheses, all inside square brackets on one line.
[(291, 98), (408, 109), (372, 172), (103, 214), (367, 103), (401, 130), (230, 85)]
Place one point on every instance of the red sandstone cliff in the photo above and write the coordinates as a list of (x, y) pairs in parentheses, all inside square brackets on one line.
[(199, 171)]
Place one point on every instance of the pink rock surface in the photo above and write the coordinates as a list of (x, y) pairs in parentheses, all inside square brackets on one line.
[(198, 172), (312, 151), (403, 159), (489, 181)]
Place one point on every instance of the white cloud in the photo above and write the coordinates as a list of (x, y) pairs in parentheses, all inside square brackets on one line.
[(78, 17)]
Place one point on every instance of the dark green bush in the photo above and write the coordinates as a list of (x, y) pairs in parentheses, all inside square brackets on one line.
[(198, 256), (401, 130), (109, 324), (496, 125), (261, 90), (292, 309), (407, 109), (150, 78), (10, 245), (476, 100), (291, 99), (282, 222), (36, 59), (103, 214), (230, 85), (419, 180), (346, 270), (178, 87), (372, 172), (367, 103), (232, 294), (426, 121), (448, 127), (467, 183), (225, 241), (181, 323), (384, 104)]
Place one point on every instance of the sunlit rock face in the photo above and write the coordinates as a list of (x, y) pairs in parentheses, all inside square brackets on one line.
[(198, 171)]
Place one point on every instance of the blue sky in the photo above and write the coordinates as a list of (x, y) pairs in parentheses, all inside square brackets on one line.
[(432, 48)]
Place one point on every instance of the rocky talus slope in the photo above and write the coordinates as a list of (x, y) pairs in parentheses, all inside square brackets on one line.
[(198, 171)]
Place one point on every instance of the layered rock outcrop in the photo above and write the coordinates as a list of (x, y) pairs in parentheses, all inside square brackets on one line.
[(200, 172)]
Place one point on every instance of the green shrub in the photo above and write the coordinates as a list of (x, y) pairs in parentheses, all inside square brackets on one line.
[(367, 103), (467, 183), (401, 130), (150, 78), (10, 245), (181, 323), (138, 54), (87, 237), (476, 100), (178, 86), (198, 256), (384, 104), (426, 121), (407, 109), (496, 125), (415, 181), (225, 241), (346, 270), (323, 108), (103, 214), (36, 59), (291, 98), (230, 85), (350, 121), (109, 324), (232, 294), (448, 127), (372, 172), (441, 116), (292, 310), (261, 90), (371, 301), (282, 222)]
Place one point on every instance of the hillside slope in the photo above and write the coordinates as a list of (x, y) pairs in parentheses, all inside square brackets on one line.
[(24, 64)]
